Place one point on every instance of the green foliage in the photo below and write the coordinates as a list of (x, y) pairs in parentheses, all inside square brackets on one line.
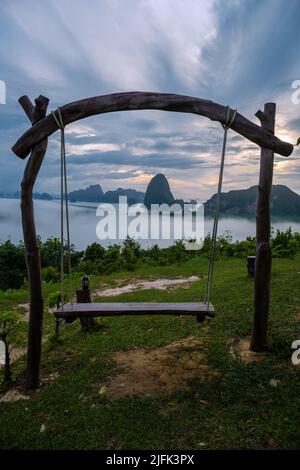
[(10, 321), (112, 259), (97, 260), (226, 247), (130, 253), (50, 274), (12, 265), (91, 267), (51, 253), (54, 300), (285, 244), (94, 252)]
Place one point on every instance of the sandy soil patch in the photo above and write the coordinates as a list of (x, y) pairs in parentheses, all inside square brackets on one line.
[(241, 350), (159, 371), (15, 353), (18, 393), (26, 308), (13, 395), (49, 378), (161, 284)]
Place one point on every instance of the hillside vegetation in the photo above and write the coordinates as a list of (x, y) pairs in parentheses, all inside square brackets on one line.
[(77, 406)]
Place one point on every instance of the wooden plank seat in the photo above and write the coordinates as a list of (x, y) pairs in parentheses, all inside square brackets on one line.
[(79, 310)]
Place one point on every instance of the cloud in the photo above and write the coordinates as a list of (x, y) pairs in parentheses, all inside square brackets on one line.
[(234, 52), (86, 149), (125, 158), (80, 131)]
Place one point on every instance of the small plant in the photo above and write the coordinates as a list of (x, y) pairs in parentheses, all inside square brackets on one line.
[(54, 301), (9, 324)]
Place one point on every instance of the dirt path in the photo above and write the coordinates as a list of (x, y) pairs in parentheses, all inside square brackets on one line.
[(161, 284)]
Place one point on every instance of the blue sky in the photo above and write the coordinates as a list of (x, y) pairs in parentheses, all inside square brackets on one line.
[(237, 52)]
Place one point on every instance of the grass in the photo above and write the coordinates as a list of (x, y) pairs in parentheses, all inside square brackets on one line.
[(240, 409)]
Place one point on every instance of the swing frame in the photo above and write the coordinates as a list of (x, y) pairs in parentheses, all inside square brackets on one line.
[(34, 142)]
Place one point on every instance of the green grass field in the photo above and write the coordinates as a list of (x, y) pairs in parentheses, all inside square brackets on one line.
[(246, 406)]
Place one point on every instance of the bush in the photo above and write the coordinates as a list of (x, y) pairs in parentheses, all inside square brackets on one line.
[(112, 259), (130, 253), (12, 265), (54, 300), (50, 274), (51, 253), (285, 244), (94, 252), (9, 325), (91, 267)]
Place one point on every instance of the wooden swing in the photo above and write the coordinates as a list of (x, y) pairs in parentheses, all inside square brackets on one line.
[(70, 311), (34, 141)]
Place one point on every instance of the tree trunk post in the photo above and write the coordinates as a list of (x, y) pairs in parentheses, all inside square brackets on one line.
[(32, 253), (84, 296), (263, 260)]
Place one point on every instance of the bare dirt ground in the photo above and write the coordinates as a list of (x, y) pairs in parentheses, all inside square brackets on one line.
[(14, 395), (159, 371), (18, 392), (241, 350), (161, 284)]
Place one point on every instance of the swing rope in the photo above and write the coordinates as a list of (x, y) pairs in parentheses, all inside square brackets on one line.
[(63, 198), (226, 126)]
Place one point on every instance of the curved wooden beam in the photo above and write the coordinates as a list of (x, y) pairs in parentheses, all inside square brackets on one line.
[(143, 100)]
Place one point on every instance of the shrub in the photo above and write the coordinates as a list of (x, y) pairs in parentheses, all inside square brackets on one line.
[(9, 325), (50, 274), (285, 243), (112, 259), (94, 252), (12, 265), (130, 253), (51, 253), (91, 267), (54, 300)]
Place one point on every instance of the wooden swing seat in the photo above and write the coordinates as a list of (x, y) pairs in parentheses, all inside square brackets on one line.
[(80, 310)]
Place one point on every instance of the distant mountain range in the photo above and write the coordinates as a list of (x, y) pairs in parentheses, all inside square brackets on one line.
[(95, 193), (285, 203), (17, 195)]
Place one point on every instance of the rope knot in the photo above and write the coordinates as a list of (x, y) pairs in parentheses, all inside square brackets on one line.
[(229, 120), (58, 119)]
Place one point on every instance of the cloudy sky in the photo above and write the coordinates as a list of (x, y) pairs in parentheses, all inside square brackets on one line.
[(238, 52)]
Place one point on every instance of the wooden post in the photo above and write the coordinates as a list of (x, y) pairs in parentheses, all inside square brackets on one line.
[(263, 230), (32, 253), (84, 296)]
